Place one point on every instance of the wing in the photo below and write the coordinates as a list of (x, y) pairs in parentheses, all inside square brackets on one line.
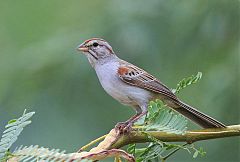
[(135, 76)]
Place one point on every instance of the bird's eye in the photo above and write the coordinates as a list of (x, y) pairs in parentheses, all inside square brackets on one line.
[(95, 44)]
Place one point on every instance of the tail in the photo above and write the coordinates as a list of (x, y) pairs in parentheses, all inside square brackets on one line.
[(198, 117)]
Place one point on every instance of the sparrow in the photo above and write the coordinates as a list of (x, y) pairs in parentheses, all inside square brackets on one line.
[(132, 86)]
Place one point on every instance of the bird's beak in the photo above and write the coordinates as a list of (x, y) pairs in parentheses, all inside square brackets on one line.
[(82, 48)]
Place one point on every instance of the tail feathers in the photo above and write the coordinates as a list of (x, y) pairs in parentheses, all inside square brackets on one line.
[(198, 117)]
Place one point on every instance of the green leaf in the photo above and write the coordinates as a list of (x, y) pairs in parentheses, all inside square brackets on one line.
[(150, 153), (202, 152), (160, 118), (187, 81), (131, 148), (13, 130), (195, 154), (198, 151), (12, 121), (170, 146)]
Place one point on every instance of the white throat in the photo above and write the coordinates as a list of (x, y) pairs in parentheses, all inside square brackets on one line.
[(101, 61)]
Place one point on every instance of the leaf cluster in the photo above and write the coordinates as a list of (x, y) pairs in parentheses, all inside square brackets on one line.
[(13, 130), (28, 153), (164, 119), (36, 153)]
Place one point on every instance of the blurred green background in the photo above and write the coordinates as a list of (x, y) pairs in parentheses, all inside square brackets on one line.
[(40, 69)]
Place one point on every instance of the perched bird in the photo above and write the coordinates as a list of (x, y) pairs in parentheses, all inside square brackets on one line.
[(133, 86)]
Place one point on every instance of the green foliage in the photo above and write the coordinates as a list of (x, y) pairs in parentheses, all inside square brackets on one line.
[(161, 118), (187, 81), (28, 153), (36, 153), (160, 151), (13, 130)]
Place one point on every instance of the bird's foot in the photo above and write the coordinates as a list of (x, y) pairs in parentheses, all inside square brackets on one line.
[(124, 127)]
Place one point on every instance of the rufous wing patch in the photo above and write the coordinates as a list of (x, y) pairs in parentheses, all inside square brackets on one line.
[(122, 71)]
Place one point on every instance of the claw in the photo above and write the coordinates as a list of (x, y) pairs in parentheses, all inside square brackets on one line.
[(124, 127)]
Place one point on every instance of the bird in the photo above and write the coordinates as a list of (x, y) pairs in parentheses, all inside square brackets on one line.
[(134, 87)]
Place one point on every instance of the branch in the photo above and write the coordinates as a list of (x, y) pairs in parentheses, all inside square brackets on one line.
[(114, 140), (109, 146), (189, 136)]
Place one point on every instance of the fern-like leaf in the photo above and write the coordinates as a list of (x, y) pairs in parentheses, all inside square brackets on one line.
[(161, 118), (13, 130), (187, 81), (36, 153), (169, 122), (153, 151)]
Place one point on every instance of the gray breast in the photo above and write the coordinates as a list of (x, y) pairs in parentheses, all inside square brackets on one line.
[(124, 93)]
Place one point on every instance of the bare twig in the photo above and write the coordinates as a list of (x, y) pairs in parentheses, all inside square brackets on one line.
[(92, 143)]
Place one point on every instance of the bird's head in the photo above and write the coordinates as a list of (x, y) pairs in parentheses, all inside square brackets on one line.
[(96, 50)]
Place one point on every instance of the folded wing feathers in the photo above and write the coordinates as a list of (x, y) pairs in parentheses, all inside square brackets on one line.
[(140, 78)]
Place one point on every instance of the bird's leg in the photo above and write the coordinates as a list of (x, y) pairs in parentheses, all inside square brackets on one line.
[(125, 127), (121, 125), (133, 120)]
